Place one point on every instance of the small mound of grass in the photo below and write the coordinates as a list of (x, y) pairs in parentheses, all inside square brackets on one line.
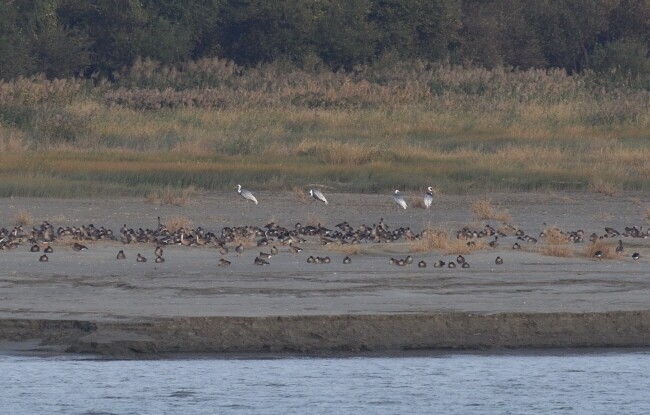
[(23, 218), (602, 246), (176, 223), (556, 243), (483, 209)]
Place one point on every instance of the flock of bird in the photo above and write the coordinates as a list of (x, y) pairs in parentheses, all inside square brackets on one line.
[(318, 195), (273, 235)]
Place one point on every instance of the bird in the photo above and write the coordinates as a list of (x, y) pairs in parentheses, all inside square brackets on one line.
[(399, 199), (260, 261), (408, 259), (460, 259), (120, 255), (636, 256), (294, 249), (159, 259), (158, 251), (223, 262), (318, 195), (223, 250), (48, 250), (35, 248), (246, 194), (347, 260), (465, 265), (619, 248), (494, 243), (79, 247), (422, 264), (43, 258), (439, 263), (140, 258), (274, 250), (265, 255), (311, 260), (451, 264), (428, 197), (598, 254), (498, 260), (516, 246)]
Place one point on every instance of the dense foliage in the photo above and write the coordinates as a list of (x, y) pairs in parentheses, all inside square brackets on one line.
[(63, 38)]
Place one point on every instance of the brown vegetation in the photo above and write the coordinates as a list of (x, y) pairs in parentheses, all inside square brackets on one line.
[(176, 223), (23, 218), (483, 209), (602, 246), (556, 243)]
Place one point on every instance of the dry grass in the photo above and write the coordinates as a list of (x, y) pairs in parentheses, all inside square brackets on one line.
[(483, 209), (214, 124), (170, 196), (556, 244), (176, 223), (314, 219), (347, 249), (604, 187), (439, 240), (299, 194), (599, 245), (432, 240), (418, 202), (246, 242), (23, 218)]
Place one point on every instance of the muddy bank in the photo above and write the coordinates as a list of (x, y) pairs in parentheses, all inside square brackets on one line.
[(331, 335)]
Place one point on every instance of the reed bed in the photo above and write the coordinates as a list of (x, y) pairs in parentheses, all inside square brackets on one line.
[(484, 210), (602, 246), (556, 243), (211, 124)]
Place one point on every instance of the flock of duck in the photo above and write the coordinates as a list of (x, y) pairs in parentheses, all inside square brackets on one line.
[(271, 236)]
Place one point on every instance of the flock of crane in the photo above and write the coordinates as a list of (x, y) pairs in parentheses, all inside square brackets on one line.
[(318, 195)]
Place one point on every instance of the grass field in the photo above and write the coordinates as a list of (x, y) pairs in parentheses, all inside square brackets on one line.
[(210, 125)]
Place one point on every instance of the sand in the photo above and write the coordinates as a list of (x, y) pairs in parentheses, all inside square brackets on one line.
[(89, 302)]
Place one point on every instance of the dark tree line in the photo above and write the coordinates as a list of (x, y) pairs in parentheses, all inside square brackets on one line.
[(62, 38)]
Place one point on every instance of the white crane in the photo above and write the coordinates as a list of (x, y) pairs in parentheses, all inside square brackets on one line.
[(428, 197), (246, 194), (399, 199), (318, 195)]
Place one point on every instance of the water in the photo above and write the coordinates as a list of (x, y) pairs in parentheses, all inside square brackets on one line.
[(587, 383)]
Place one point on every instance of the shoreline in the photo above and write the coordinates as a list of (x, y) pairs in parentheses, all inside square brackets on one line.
[(328, 335)]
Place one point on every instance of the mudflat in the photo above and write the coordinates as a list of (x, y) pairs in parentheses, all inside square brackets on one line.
[(88, 301)]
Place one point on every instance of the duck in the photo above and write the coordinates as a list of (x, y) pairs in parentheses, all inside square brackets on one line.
[(498, 260), (158, 252), (274, 250), (619, 248), (43, 258), (516, 246), (140, 258), (265, 255), (636, 256), (223, 250), (159, 260), (460, 259), (465, 265), (311, 259), (408, 259), (48, 250), (79, 247), (260, 261), (120, 255), (422, 264), (598, 255), (439, 263), (35, 248), (294, 249), (494, 243), (223, 262), (451, 264), (239, 249), (347, 260)]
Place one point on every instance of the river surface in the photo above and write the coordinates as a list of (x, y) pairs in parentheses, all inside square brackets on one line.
[(609, 382)]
